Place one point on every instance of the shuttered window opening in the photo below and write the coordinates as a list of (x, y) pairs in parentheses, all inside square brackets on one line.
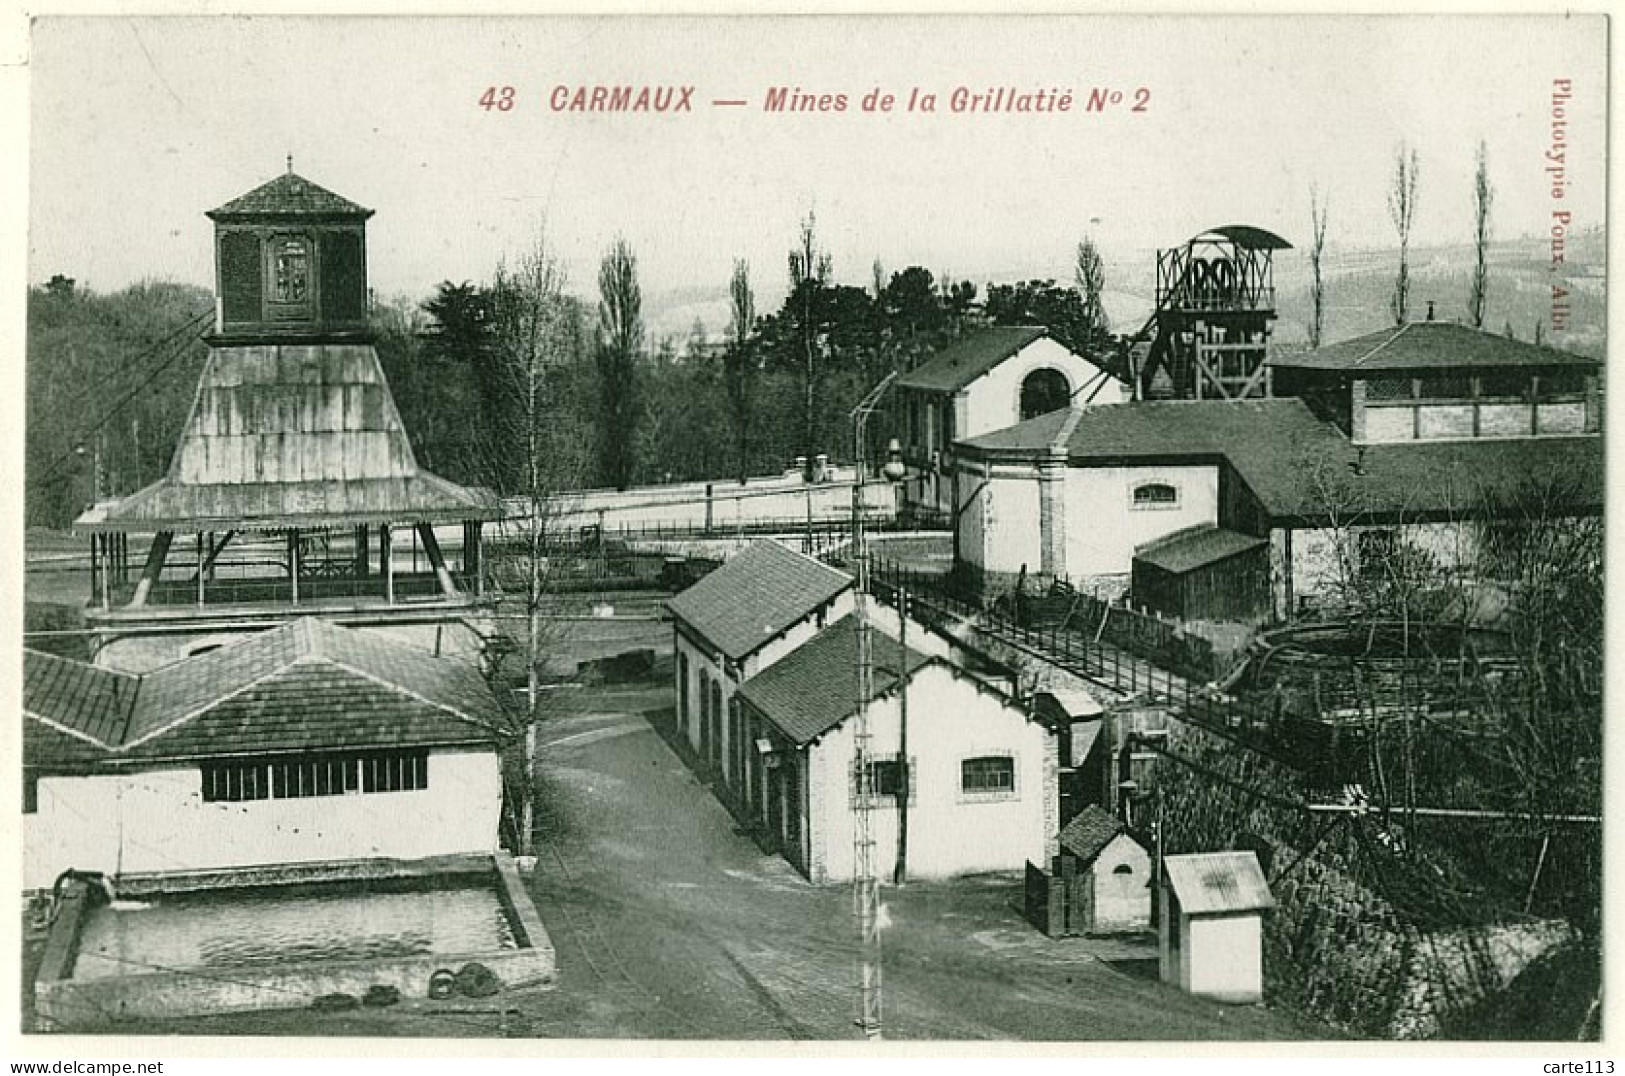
[(316, 775), (885, 777)]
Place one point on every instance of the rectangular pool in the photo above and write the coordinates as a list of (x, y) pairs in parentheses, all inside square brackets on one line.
[(246, 940)]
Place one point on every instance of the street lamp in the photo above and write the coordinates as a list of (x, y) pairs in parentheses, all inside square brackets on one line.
[(866, 886)]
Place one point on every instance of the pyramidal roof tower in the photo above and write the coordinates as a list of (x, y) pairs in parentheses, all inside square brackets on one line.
[(294, 473)]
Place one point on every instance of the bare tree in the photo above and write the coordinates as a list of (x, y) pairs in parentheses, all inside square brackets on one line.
[(620, 347), (1483, 198), (739, 364), (534, 337), (1402, 211), (1090, 273), (810, 270), (1318, 206)]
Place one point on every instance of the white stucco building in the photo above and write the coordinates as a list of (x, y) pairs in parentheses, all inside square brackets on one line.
[(1248, 509), (306, 743), (763, 603), (981, 791), (993, 378)]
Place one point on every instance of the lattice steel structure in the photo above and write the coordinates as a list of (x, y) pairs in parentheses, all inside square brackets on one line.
[(1210, 333)]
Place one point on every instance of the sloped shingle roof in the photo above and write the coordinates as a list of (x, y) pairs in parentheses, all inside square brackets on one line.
[(1427, 345), (100, 700), (959, 364), (756, 596), (304, 686), (1194, 548), (1296, 465), (1217, 883), (814, 689), (289, 195), (1088, 834)]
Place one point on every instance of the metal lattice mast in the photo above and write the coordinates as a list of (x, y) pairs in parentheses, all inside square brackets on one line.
[(865, 883)]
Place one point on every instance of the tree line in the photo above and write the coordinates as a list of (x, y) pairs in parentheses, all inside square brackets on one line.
[(623, 410)]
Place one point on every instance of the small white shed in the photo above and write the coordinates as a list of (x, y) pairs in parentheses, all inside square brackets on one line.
[(1107, 872), (1211, 929)]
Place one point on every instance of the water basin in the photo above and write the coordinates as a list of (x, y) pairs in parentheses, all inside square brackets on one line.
[(266, 928)]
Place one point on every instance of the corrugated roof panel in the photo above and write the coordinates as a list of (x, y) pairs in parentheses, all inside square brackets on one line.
[(1218, 883)]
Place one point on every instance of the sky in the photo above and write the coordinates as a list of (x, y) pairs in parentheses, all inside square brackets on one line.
[(140, 125)]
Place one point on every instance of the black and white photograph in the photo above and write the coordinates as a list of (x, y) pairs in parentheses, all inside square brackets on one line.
[(804, 529)]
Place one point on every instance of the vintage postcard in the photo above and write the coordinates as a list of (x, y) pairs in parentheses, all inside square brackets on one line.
[(808, 529)]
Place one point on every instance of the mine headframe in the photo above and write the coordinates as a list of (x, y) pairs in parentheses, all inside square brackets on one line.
[(1209, 334)]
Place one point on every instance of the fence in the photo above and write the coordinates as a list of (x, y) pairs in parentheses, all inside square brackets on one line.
[(1150, 636), (1327, 756)]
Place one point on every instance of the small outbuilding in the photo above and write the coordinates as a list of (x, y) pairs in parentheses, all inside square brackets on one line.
[(1204, 573), (1211, 929), (1107, 874)]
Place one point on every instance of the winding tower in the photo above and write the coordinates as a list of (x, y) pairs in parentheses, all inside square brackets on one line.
[(1209, 335), (294, 489)]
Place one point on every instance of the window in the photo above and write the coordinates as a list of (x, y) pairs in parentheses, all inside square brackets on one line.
[(1122, 868), (1566, 384), (235, 783), (1042, 391), (885, 778), (1156, 495), (312, 777), (290, 280), (1506, 385), (1388, 388), (395, 772), (988, 776), (684, 685), (30, 792), (1445, 388), (315, 775)]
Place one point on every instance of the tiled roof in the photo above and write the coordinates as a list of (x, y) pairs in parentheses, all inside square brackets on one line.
[(961, 363), (815, 688), (1195, 547), (1427, 345), (1298, 466), (1421, 478), (289, 195), (95, 703), (1088, 834), (1213, 883), (756, 596), (1168, 430), (304, 686), (289, 436)]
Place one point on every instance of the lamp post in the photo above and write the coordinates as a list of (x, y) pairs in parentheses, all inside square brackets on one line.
[(866, 885)]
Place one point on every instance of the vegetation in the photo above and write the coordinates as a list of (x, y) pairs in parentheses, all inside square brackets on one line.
[(1402, 211)]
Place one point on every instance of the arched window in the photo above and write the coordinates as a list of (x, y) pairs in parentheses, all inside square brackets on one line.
[(1042, 391), (1122, 868), (1155, 495)]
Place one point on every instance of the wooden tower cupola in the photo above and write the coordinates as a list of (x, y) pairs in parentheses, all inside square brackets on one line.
[(290, 264), (293, 488)]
